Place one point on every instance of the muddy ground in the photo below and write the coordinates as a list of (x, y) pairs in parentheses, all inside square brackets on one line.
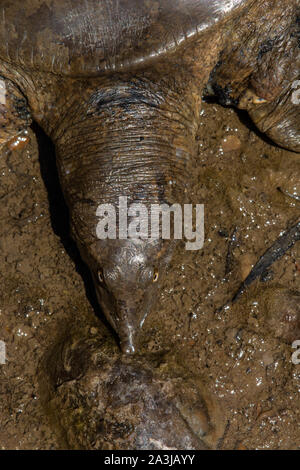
[(241, 352)]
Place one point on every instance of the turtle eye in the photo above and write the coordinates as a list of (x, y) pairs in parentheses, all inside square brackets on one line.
[(258, 100), (155, 276), (100, 276)]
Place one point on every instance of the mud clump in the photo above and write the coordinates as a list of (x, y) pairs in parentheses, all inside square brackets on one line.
[(240, 355), (104, 400)]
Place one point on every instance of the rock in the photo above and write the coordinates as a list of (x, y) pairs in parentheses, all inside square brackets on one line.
[(101, 399)]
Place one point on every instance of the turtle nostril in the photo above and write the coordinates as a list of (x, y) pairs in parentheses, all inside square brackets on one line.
[(127, 348), (128, 340)]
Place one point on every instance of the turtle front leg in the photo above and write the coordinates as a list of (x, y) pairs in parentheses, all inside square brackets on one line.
[(273, 100), (260, 73), (14, 115), (280, 120)]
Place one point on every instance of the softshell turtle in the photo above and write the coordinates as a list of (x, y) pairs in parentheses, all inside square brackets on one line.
[(117, 85)]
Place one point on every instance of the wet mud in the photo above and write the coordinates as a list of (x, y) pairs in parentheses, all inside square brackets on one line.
[(199, 351)]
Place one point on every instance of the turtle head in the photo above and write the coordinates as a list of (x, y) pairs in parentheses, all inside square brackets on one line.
[(127, 276)]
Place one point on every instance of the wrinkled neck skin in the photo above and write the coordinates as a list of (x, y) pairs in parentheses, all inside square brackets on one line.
[(131, 138)]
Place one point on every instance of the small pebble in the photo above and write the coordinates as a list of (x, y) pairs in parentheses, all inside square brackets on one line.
[(231, 143)]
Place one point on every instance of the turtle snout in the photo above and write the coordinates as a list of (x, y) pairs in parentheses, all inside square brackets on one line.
[(128, 346), (128, 328)]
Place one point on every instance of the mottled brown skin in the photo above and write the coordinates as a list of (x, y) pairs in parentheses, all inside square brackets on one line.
[(117, 85)]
